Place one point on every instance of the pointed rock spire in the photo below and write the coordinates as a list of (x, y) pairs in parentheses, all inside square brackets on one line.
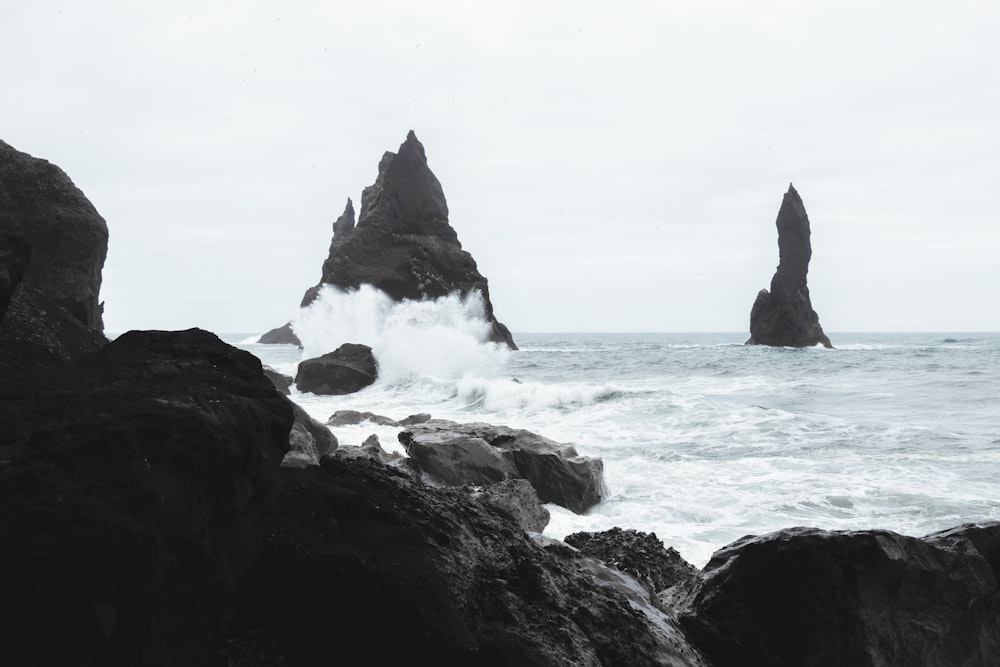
[(784, 316)]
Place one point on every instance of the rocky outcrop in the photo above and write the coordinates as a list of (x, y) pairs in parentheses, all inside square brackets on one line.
[(131, 482), (402, 242), (52, 249), (67, 236), (484, 454), (804, 596), (403, 571), (640, 554), (349, 368), (282, 335), (518, 499), (785, 316)]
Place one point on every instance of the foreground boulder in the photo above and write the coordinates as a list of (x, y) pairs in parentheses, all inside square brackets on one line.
[(804, 596), (130, 487), (401, 572), (349, 368), (402, 242), (484, 454), (784, 317), (309, 439)]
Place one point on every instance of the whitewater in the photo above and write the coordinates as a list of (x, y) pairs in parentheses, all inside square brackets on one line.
[(704, 439)]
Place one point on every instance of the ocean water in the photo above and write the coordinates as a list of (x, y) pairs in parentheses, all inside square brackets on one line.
[(704, 440)]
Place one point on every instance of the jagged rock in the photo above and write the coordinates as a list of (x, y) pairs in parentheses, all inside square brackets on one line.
[(517, 498), (131, 481), (402, 242), (640, 554), (804, 596), (371, 448), (308, 441), (418, 418), (282, 335), (349, 368), (784, 316), (68, 237), (484, 454), (353, 417), (362, 548)]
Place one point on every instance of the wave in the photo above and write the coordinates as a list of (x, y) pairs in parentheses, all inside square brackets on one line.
[(440, 339)]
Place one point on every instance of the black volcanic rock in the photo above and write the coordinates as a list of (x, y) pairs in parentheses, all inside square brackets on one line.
[(68, 237), (361, 559), (131, 482), (349, 368), (804, 596), (282, 335), (640, 554), (784, 316), (478, 453), (52, 249), (402, 242)]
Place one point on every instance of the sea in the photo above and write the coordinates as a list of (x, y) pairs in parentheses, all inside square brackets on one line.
[(704, 439)]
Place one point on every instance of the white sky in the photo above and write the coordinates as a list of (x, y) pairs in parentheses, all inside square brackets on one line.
[(611, 166)]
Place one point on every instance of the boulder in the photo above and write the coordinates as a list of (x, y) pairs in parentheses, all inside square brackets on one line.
[(67, 236), (371, 448), (640, 554), (403, 572), (804, 596), (308, 441), (402, 242), (349, 368), (52, 249), (131, 483), (784, 317), (479, 453), (353, 417)]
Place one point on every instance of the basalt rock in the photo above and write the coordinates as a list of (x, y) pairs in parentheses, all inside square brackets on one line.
[(349, 368), (805, 596), (309, 440), (640, 554), (481, 454), (52, 249), (402, 242), (403, 572), (785, 316), (131, 481)]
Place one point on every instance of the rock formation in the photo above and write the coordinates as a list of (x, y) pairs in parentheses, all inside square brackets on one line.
[(784, 316), (131, 483), (804, 596), (402, 242), (52, 249), (349, 368), (484, 454)]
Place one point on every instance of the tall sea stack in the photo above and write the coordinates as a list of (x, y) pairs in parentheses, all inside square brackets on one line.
[(784, 317), (402, 242)]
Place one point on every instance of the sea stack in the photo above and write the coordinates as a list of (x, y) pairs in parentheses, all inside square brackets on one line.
[(784, 317), (402, 242)]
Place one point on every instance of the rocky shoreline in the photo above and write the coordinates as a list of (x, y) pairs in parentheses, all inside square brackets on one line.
[(146, 519)]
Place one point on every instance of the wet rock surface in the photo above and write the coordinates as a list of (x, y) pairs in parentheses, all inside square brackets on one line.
[(349, 368)]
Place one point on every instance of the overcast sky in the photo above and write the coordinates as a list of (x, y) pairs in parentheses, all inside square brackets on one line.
[(611, 166)]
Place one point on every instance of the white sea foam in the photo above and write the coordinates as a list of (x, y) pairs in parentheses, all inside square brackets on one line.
[(440, 339)]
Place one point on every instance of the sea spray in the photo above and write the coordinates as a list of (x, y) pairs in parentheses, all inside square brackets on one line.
[(443, 339)]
